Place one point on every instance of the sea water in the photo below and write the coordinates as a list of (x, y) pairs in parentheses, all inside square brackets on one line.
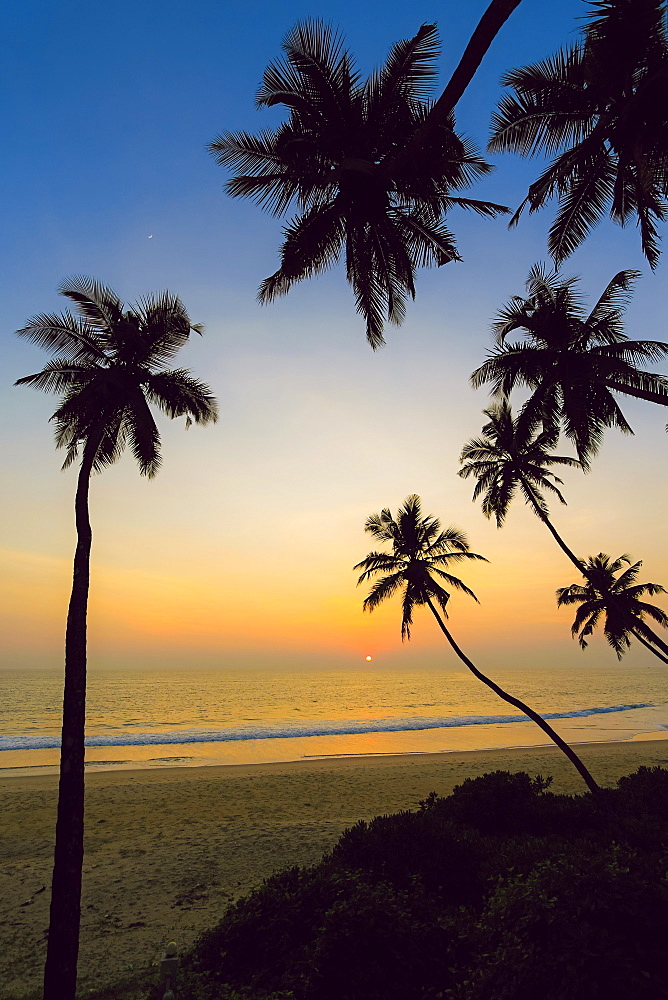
[(156, 718)]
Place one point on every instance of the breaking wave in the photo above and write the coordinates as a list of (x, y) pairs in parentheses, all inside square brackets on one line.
[(280, 731)]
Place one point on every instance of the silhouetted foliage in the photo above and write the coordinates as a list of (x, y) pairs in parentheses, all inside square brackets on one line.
[(511, 454), (602, 107), (500, 891), (573, 360), (418, 567), (611, 594), (335, 160)]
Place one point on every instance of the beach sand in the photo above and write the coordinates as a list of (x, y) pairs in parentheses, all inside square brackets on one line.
[(167, 850)]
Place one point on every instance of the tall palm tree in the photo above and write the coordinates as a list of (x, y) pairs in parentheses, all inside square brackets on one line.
[(108, 368), (571, 359), (421, 553), (335, 160), (512, 454), (600, 108), (616, 599)]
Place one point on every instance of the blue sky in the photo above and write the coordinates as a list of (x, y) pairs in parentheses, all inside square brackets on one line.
[(241, 549)]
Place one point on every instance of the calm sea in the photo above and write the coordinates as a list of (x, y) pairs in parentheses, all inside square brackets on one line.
[(164, 718)]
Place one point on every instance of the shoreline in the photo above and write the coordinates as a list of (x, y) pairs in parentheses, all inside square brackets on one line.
[(12, 772), (167, 849)]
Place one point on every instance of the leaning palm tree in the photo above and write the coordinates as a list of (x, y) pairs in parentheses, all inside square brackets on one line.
[(600, 108), (418, 566), (616, 600), (335, 161), (572, 360), (108, 368), (513, 454)]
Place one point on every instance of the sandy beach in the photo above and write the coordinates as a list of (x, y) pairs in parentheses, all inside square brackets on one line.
[(167, 850)]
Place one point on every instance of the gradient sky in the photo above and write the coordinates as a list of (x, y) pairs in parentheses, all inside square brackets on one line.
[(240, 551)]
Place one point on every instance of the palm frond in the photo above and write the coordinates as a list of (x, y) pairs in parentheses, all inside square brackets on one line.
[(178, 394), (97, 303), (409, 73), (312, 243), (72, 338), (143, 435)]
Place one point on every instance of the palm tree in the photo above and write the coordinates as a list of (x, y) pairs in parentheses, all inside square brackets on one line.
[(572, 360), (511, 454), (421, 553), (108, 368), (602, 107), (335, 160), (618, 599)]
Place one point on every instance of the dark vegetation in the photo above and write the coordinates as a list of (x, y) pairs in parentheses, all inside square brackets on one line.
[(501, 891)]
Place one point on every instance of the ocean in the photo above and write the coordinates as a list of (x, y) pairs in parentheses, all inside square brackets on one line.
[(153, 718)]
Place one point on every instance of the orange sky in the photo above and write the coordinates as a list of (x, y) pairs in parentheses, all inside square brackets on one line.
[(241, 549)]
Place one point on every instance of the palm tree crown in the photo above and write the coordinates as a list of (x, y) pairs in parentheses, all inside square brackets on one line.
[(602, 107), (108, 369), (617, 599), (420, 552), (572, 360), (511, 453), (335, 160)]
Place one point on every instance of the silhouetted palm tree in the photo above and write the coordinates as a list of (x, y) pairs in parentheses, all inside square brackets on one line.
[(108, 367), (602, 107), (616, 599), (421, 551), (512, 454), (572, 360), (335, 160)]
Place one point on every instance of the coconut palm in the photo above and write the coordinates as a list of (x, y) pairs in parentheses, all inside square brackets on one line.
[(600, 108), (418, 567), (572, 360), (512, 454), (616, 600), (334, 160), (108, 366)]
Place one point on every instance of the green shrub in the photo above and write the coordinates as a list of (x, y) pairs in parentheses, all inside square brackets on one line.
[(501, 891), (579, 929)]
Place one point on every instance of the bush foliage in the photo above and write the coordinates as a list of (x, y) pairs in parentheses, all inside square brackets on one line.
[(501, 891)]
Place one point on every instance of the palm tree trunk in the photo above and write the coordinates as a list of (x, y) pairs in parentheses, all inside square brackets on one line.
[(553, 531), (534, 716), (488, 27), (60, 972), (647, 645), (656, 639), (648, 394)]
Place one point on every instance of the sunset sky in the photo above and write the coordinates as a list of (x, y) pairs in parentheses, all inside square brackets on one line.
[(240, 551)]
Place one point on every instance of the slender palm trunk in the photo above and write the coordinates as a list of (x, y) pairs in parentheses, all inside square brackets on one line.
[(534, 716), (656, 639), (648, 646), (488, 27), (60, 972)]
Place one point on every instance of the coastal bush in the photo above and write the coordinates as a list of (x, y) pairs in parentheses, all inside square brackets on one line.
[(500, 891), (583, 928)]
